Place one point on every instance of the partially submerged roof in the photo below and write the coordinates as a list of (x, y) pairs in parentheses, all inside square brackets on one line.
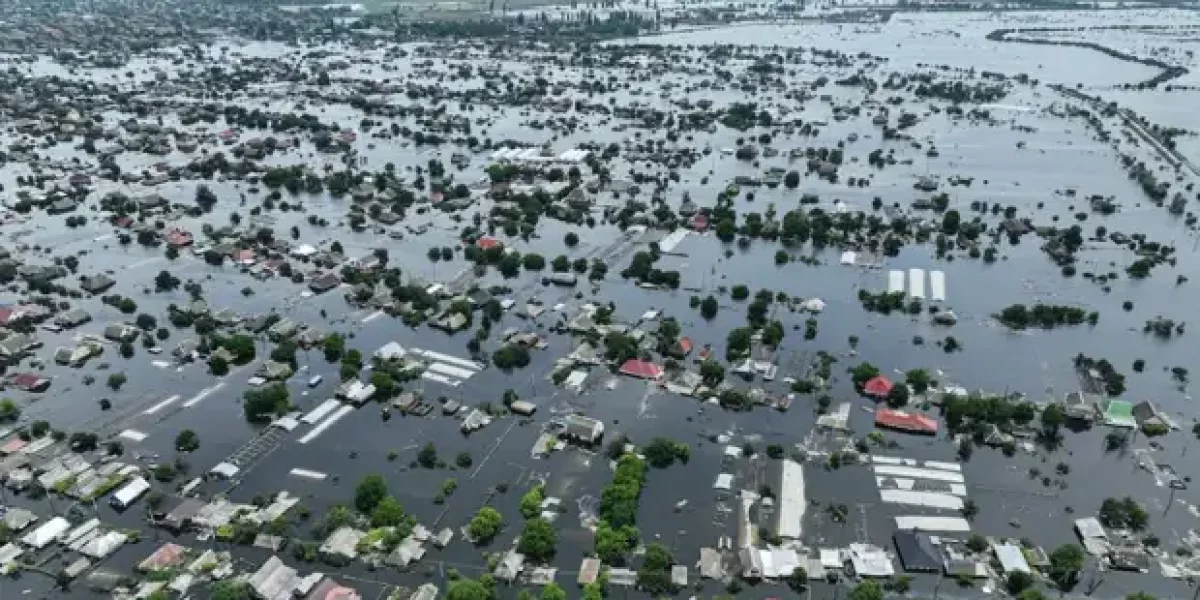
[(917, 552), (1011, 558)]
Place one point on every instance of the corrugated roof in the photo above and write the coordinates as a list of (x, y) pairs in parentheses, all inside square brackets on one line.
[(904, 421), (917, 552)]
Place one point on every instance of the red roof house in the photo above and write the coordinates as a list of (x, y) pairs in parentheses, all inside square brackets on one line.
[(877, 386), (641, 369), (486, 242), (699, 222), (13, 446), (682, 347), (179, 237), (29, 382), (245, 257), (905, 421)]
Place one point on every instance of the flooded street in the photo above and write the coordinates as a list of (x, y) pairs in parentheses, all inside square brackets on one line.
[(642, 220)]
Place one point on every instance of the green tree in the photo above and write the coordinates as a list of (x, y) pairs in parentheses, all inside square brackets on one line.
[(712, 373), (655, 575), (571, 239), (538, 540), (387, 513), (427, 456), (229, 589), (662, 452), (334, 346), (561, 264), (918, 379), (385, 386), (867, 590), (116, 380), (218, 366), (1017, 582), (1053, 417), (187, 441), (1065, 564), (369, 493), (468, 589), (485, 524), (531, 502), (263, 403), (613, 545), (709, 308), (798, 580), (9, 411), (553, 592)]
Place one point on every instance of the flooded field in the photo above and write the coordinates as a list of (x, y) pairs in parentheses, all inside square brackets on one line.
[(676, 228)]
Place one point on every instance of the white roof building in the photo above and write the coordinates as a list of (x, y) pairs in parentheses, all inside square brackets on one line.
[(129, 494), (1011, 558), (869, 561), (49, 531)]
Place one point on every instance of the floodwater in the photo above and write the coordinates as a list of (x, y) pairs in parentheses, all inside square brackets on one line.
[(1061, 154)]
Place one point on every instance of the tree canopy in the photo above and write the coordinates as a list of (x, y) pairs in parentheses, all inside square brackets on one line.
[(369, 493), (538, 540), (486, 524)]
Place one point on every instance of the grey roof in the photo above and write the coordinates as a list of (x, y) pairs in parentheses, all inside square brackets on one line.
[(917, 552)]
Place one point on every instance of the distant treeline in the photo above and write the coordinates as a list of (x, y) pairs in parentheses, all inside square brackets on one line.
[(1167, 73)]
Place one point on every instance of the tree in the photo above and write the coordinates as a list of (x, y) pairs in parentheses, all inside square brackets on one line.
[(205, 198), (897, 397), (116, 380), (1053, 417), (1032, 594), (388, 513), (571, 240), (655, 575), (918, 379), (1124, 513), (712, 373), (385, 386), (165, 281), (867, 590), (561, 264), (369, 493), (798, 580), (9, 411), (1065, 563), (262, 404), (553, 592), (662, 452), (531, 502), (218, 366), (538, 540), (613, 545), (709, 308), (726, 230), (977, 543), (229, 589), (468, 589), (485, 524), (1017, 582), (791, 180), (533, 261), (333, 346), (427, 457), (187, 441)]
